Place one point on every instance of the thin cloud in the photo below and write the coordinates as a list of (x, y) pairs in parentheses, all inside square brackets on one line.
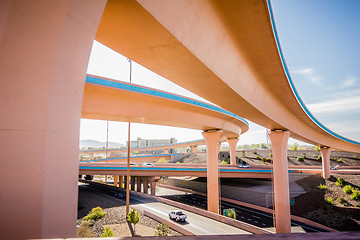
[(350, 104), (308, 73), (350, 81)]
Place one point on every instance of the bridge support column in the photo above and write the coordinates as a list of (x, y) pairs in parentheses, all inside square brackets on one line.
[(44, 52), (325, 155), (138, 183), (132, 183), (232, 144), (105, 178), (116, 179), (279, 141), (91, 156), (145, 186), (211, 138), (121, 179), (193, 149), (165, 151)]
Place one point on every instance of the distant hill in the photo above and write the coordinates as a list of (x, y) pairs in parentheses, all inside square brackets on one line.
[(96, 144)]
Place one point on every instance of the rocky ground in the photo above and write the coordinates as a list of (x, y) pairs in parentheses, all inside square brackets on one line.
[(114, 218)]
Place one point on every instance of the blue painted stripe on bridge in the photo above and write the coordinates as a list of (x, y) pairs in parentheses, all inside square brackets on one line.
[(177, 169), (152, 92), (302, 104)]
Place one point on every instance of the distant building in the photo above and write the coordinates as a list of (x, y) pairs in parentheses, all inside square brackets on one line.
[(139, 143)]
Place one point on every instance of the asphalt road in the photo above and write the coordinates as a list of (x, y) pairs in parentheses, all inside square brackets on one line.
[(244, 214), (194, 223)]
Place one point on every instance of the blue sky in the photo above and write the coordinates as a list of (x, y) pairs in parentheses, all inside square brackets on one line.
[(319, 40)]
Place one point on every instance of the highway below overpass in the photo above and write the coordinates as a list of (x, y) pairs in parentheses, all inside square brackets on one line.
[(196, 224)]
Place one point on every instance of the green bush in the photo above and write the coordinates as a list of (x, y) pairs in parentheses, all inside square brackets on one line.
[(95, 214), (322, 186), (319, 157), (107, 232), (177, 162), (258, 157), (355, 195), (348, 189), (255, 152), (270, 155), (264, 159), (340, 182), (317, 148), (133, 217), (304, 155), (231, 213), (340, 160), (300, 159), (294, 147), (224, 162), (329, 200), (162, 230)]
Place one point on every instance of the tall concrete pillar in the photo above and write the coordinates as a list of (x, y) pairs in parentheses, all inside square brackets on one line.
[(145, 186), (106, 178), (153, 187), (232, 144), (325, 155), (279, 141), (193, 149), (132, 183), (116, 179), (138, 184), (91, 156), (121, 180), (44, 52), (211, 138)]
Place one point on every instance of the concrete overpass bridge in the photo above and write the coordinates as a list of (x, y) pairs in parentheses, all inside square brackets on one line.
[(212, 48)]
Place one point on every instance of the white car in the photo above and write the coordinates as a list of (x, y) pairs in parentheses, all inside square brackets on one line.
[(177, 216), (334, 167), (244, 165), (148, 165)]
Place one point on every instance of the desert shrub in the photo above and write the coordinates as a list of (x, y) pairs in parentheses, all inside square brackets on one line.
[(258, 157), (348, 189), (264, 159), (270, 155), (317, 148), (162, 160), (162, 230), (294, 147), (319, 157), (133, 217), (231, 213), (300, 159), (107, 232), (255, 152), (177, 162), (224, 162), (84, 231), (340, 160), (355, 195), (329, 200), (342, 201), (340, 182), (322, 186), (95, 214), (304, 155)]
